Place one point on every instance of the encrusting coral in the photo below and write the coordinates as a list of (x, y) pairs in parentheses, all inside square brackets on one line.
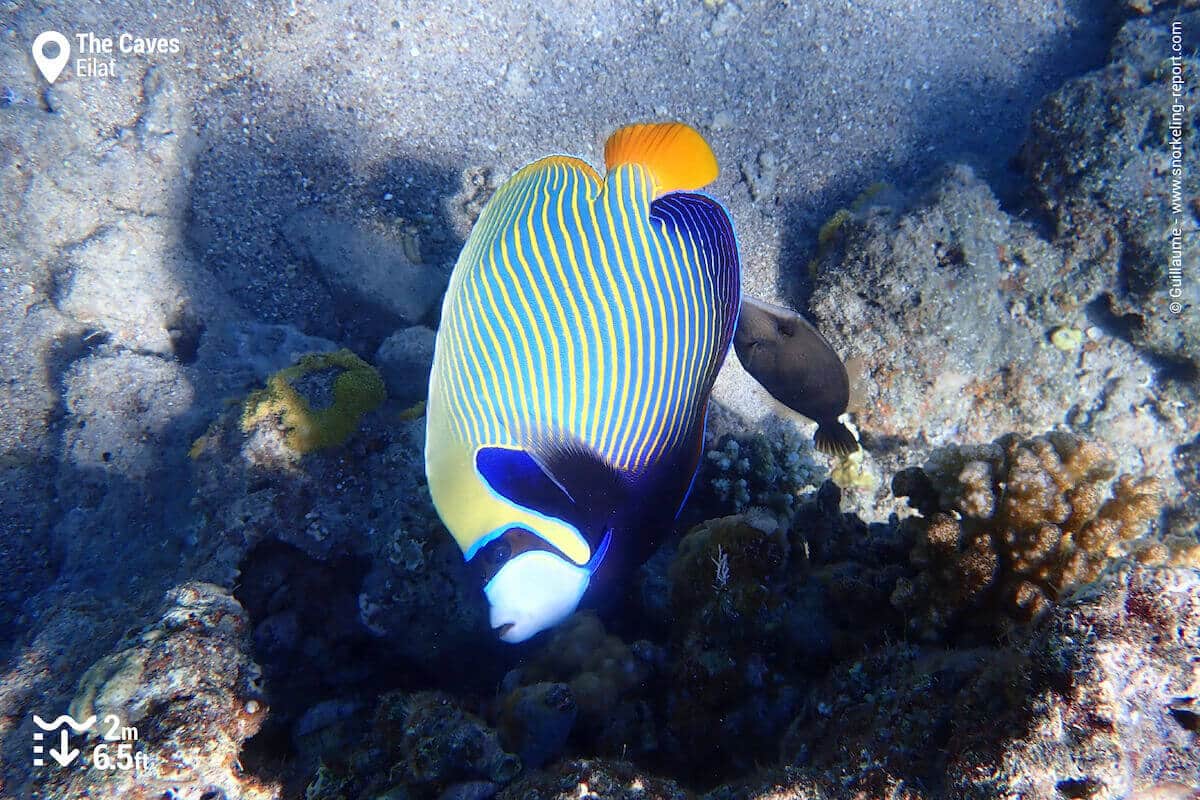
[(1014, 524), (319, 401)]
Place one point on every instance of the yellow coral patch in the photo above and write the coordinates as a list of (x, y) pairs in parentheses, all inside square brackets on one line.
[(850, 472), (357, 390), (1067, 339)]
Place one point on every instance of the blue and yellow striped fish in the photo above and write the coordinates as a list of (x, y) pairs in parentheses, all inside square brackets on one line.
[(583, 327)]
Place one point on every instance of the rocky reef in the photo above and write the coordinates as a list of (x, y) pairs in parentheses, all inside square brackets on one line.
[(190, 687), (974, 317), (1113, 709), (770, 672), (1068, 702)]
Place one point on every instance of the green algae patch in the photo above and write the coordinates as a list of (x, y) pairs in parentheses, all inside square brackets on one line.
[(318, 402), (415, 411), (870, 195), (877, 193), (832, 227)]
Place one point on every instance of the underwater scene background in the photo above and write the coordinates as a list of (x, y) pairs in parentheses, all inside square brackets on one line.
[(225, 238)]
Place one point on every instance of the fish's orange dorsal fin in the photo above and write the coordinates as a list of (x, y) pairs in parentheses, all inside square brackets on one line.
[(675, 153)]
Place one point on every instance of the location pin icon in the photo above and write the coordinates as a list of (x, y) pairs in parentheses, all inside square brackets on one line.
[(51, 68)]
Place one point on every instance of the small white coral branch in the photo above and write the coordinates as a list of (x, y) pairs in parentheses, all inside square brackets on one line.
[(721, 561)]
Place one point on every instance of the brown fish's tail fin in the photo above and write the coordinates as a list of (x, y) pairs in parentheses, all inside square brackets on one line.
[(834, 438)]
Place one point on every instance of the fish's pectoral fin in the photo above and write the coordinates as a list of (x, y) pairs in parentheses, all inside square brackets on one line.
[(591, 483), (834, 438), (676, 154), (556, 478)]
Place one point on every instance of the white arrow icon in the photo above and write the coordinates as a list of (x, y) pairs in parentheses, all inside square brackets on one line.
[(51, 67), (64, 755)]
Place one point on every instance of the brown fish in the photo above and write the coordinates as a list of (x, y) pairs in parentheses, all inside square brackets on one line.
[(793, 362)]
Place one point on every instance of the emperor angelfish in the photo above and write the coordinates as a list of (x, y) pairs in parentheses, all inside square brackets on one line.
[(581, 333)]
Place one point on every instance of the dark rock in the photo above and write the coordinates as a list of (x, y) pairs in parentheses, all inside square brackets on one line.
[(404, 360), (366, 265), (536, 720)]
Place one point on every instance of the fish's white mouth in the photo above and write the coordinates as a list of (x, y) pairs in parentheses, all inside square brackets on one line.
[(534, 591)]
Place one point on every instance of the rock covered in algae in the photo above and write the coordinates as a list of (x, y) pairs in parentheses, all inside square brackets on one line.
[(607, 682), (367, 534), (189, 686), (1114, 713), (729, 688), (592, 779), (1011, 526), (1109, 151), (318, 402), (536, 720), (956, 309), (1095, 700), (440, 742), (423, 745)]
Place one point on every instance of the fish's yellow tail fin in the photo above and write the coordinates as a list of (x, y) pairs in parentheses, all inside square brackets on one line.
[(675, 153)]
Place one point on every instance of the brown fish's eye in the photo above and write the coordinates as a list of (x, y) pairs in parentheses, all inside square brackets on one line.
[(501, 552)]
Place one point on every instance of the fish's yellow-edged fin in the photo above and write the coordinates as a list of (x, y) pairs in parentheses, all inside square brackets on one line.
[(675, 153)]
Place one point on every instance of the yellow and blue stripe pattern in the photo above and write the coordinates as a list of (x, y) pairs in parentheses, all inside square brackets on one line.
[(595, 311)]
